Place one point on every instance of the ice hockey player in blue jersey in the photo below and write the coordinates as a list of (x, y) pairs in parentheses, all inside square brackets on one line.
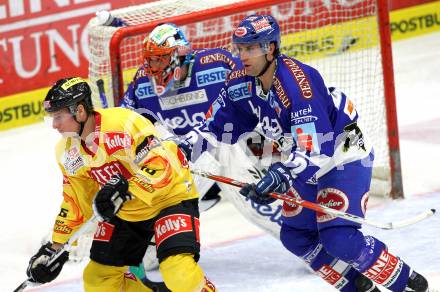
[(329, 159), (176, 85)]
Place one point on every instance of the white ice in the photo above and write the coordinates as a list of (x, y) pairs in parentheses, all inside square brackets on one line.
[(236, 255)]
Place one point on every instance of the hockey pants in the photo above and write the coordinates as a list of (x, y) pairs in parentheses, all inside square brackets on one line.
[(180, 273)]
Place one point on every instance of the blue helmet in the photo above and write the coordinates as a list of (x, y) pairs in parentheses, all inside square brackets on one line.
[(262, 29)]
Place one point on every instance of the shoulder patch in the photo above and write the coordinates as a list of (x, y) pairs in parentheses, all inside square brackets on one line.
[(142, 149)]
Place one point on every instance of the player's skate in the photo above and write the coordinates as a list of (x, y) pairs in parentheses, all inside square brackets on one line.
[(417, 283), (363, 284)]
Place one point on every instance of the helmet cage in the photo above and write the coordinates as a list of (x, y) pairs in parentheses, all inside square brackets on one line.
[(168, 43), (166, 57)]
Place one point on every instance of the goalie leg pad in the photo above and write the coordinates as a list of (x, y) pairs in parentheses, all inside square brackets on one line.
[(176, 230)]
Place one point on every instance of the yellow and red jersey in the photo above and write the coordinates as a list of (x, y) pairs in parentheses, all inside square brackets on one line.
[(123, 142)]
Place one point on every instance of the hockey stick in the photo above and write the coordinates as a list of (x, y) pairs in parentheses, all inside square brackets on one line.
[(323, 209), (66, 247), (101, 90)]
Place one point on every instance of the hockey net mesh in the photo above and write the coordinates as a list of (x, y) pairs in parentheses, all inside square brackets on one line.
[(339, 38)]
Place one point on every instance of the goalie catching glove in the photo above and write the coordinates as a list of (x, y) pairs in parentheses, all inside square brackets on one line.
[(39, 269), (278, 179), (110, 197)]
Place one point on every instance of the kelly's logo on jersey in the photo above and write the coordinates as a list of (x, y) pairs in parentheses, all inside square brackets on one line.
[(144, 90), (172, 225), (211, 76), (116, 141), (104, 172), (240, 91)]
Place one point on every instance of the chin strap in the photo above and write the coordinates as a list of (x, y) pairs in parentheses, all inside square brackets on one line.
[(265, 66), (81, 124), (81, 127)]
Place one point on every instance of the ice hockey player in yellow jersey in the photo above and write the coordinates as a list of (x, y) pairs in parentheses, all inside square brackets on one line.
[(115, 166)]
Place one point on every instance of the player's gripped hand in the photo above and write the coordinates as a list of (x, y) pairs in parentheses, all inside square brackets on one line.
[(249, 191), (110, 197), (278, 179), (39, 270)]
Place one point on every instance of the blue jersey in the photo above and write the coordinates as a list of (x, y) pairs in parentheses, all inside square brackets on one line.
[(318, 124), (185, 104)]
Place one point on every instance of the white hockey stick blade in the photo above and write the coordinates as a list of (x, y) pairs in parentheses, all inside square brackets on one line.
[(409, 221)]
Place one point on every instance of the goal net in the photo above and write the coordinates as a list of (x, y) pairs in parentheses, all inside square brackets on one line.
[(341, 38)]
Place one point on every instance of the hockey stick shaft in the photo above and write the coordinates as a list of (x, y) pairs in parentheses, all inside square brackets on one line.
[(66, 247), (101, 90), (323, 209)]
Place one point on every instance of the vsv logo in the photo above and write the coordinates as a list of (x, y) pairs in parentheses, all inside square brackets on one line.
[(144, 90), (211, 76)]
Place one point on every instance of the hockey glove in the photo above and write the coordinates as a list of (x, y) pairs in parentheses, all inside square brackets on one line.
[(277, 179), (39, 271), (110, 197)]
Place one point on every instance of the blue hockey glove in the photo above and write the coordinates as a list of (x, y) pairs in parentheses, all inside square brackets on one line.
[(277, 179), (262, 199)]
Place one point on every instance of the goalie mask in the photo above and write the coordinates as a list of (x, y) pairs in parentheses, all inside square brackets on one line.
[(164, 51)]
